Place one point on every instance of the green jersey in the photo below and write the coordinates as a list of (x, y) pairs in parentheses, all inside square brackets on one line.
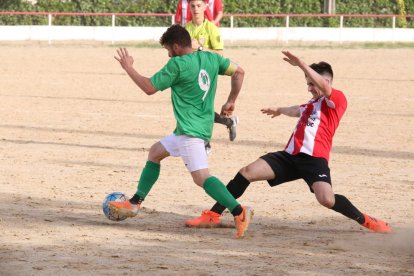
[(193, 82), (206, 34)]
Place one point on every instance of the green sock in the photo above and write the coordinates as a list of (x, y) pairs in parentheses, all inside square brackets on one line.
[(216, 189), (148, 177)]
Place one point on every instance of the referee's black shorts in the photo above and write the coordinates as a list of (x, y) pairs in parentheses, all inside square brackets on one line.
[(289, 167)]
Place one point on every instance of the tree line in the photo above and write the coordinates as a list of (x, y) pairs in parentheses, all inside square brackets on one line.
[(401, 7)]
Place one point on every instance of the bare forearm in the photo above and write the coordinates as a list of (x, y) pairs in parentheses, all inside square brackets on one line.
[(126, 61), (321, 83), (236, 84), (316, 79), (142, 82), (291, 111)]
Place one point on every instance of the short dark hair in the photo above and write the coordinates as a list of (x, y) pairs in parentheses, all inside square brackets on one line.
[(322, 68), (176, 34)]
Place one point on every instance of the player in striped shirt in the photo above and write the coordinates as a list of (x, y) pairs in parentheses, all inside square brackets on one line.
[(306, 155)]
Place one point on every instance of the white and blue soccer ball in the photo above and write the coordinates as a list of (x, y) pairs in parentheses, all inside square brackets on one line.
[(115, 196)]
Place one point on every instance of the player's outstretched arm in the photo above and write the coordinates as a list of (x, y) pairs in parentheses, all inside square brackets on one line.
[(236, 83), (316, 79), (291, 111), (126, 61)]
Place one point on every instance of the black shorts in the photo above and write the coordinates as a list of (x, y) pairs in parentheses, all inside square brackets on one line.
[(289, 167)]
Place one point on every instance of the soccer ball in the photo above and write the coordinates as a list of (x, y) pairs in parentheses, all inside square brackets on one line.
[(115, 196)]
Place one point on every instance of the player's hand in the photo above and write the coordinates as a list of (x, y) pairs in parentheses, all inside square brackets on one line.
[(227, 109), (124, 58), (271, 111), (291, 58), (195, 44)]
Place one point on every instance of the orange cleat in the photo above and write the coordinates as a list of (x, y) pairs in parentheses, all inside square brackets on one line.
[(208, 219), (242, 221), (124, 208), (376, 225)]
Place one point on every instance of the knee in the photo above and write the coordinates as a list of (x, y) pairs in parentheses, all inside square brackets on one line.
[(157, 153), (324, 194), (246, 172), (153, 154), (199, 180), (200, 177), (326, 200)]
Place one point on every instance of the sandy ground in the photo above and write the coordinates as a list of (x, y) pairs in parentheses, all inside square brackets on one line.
[(75, 128)]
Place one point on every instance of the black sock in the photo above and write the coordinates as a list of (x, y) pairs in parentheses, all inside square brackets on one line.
[(136, 199), (236, 187), (345, 207), (237, 210), (222, 120)]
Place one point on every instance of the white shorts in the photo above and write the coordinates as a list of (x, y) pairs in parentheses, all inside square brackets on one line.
[(191, 150)]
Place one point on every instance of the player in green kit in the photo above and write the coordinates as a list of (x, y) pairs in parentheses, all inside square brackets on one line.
[(192, 77)]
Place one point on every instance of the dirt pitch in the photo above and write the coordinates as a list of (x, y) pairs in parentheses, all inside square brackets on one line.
[(74, 128)]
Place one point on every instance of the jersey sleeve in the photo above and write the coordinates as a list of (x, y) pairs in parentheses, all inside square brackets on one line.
[(337, 100), (226, 67), (166, 77)]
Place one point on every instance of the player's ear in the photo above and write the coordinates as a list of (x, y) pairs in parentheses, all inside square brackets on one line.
[(176, 47)]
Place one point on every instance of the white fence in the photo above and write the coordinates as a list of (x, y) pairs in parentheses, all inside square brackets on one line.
[(281, 34), (115, 33)]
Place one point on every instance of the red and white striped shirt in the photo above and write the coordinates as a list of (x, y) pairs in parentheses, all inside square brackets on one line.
[(317, 124)]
